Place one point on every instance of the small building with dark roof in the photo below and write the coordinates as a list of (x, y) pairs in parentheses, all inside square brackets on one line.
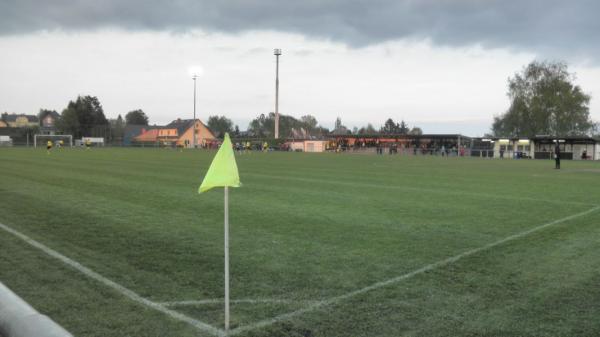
[(20, 120), (179, 132), (571, 147), (540, 147)]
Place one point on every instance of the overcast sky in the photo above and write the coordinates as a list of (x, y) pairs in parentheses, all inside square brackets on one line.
[(442, 65)]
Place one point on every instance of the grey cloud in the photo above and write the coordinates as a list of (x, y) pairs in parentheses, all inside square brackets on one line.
[(551, 27), (303, 52), (258, 51)]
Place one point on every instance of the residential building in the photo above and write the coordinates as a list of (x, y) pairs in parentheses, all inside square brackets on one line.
[(20, 120), (179, 132), (48, 120)]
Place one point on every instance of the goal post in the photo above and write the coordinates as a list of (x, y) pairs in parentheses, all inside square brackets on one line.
[(67, 138)]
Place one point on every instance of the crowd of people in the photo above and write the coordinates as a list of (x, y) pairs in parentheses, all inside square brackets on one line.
[(446, 150), (245, 147)]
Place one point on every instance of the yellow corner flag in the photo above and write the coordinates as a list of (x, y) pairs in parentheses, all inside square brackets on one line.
[(223, 170)]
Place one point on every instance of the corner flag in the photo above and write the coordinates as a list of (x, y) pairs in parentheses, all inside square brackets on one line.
[(223, 172)]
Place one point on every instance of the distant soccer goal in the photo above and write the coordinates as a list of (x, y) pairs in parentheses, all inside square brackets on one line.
[(42, 139)]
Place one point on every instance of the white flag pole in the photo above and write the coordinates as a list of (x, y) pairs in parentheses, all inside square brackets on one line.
[(226, 259)]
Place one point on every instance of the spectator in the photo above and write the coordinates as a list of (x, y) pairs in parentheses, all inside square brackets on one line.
[(557, 156)]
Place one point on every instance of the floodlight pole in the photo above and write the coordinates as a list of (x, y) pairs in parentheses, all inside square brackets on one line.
[(194, 77), (226, 211), (277, 53)]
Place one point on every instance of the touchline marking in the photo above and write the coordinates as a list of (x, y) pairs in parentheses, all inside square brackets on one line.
[(126, 292), (220, 300), (397, 279)]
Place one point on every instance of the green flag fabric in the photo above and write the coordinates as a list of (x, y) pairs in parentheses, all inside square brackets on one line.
[(223, 170)]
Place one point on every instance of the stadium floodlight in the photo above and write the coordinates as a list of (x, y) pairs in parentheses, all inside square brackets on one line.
[(277, 53), (195, 72)]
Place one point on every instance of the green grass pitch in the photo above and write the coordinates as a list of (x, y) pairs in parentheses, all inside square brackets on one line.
[(307, 232)]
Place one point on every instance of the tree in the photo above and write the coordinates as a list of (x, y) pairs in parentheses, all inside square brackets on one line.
[(117, 129), (338, 124), (69, 123), (389, 127), (261, 125), (219, 125), (83, 117), (368, 130), (544, 100), (416, 131), (339, 128), (309, 122), (403, 128), (289, 126), (136, 117)]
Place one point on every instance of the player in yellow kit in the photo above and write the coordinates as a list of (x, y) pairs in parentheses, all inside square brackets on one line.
[(48, 146)]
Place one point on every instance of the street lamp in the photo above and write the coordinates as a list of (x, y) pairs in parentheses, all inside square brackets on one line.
[(195, 72), (277, 53)]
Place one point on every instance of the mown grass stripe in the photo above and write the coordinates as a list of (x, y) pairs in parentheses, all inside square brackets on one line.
[(397, 279), (124, 291), (358, 184)]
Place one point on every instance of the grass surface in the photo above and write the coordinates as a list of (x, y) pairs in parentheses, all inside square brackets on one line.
[(305, 228)]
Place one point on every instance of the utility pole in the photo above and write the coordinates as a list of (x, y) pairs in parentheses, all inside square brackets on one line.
[(195, 72), (277, 53), (194, 77)]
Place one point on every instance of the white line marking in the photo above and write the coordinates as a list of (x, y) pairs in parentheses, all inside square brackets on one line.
[(220, 300), (126, 292), (419, 189), (397, 279)]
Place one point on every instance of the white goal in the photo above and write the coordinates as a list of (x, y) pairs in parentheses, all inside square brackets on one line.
[(42, 139)]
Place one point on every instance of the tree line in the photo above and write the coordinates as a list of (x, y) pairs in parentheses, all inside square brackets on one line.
[(307, 126), (84, 116), (545, 101)]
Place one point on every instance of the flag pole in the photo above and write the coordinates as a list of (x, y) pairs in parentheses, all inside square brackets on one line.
[(223, 172), (226, 259)]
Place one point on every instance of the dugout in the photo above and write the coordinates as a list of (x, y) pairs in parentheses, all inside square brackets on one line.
[(426, 144), (512, 148), (482, 147), (571, 148)]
